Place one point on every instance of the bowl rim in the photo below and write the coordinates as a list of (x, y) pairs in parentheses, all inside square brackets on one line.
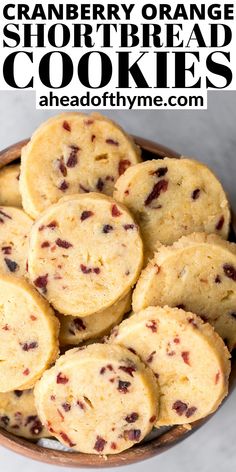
[(142, 451)]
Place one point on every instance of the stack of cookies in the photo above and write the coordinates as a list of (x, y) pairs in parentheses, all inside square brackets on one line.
[(90, 235)]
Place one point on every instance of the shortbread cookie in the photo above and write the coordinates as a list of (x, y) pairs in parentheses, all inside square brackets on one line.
[(14, 240), (28, 334), (73, 153), (99, 400), (9, 186), (188, 358), (85, 254), (173, 197), (197, 273), (75, 330), (19, 416)]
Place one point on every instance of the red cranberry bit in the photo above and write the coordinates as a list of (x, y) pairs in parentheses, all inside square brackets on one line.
[(37, 427), (102, 370), (128, 369), (66, 406), (53, 398), (132, 417), (112, 142), (66, 126), (129, 226), (52, 225), (152, 324), (66, 439), (41, 228), (107, 229), (217, 378), (73, 158), (132, 434), (5, 420), (81, 404), (6, 327), (7, 250), (18, 393), (62, 379), (185, 357), (26, 372), (152, 419), (220, 223), (63, 186), (158, 188), (123, 386), (161, 172), (93, 137), (64, 244), (96, 270), (176, 340), (86, 214), (123, 165), (5, 214), (190, 411), (99, 444), (230, 271), (113, 445), (115, 211), (84, 189), (33, 317), (79, 324), (12, 265), (29, 346), (45, 244), (218, 279), (109, 178), (62, 167), (180, 407), (100, 185), (192, 322), (196, 194), (150, 357), (41, 282), (85, 269)]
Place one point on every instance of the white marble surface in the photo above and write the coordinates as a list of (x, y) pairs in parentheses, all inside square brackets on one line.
[(210, 136)]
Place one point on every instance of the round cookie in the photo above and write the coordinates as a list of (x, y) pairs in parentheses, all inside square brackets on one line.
[(28, 334), (173, 197), (73, 153), (74, 330), (14, 240), (197, 273), (188, 358), (19, 416), (9, 186), (100, 399), (85, 254)]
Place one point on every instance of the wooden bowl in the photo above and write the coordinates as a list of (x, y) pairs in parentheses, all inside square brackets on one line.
[(164, 437)]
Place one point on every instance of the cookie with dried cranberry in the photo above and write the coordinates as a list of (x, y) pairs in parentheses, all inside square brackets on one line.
[(100, 399), (75, 330), (19, 416), (28, 334), (15, 227), (85, 254), (197, 273), (9, 186), (173, 197), (73, 153), (189, 360)]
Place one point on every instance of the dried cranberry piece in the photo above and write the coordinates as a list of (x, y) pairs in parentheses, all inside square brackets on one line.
[(112, 142), (161, 172), (37, 427), (66, 406), (18, 393), (107, 229), (12, 265), (64, 244), (180, 407), (129, 226), (96, 270), (176, 340), (62, 379), (85, 269), (41, 282), (196, 194), (115, 211), (52, 225), (220, 223), (158, 188), (33, 318), (192, 322), (3, 213), (28, 346), (5, 420), (63, 186), (113, 445), (190, 411), (150, 357), (132, 434), (81, 404), (26, 372), (152, 419), (152, 324), (230, 271), (6, 327), (93, 137), (99, 444), (66, 126), (218, 279), (132, 417), (123, 386), (7, 250), (123, 165), (185, 357), (79, 324), (86, 214), (73, 158), (100, 185), (30, 419), (66, 439), (128, 369), (45, 244), (62, 167)]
